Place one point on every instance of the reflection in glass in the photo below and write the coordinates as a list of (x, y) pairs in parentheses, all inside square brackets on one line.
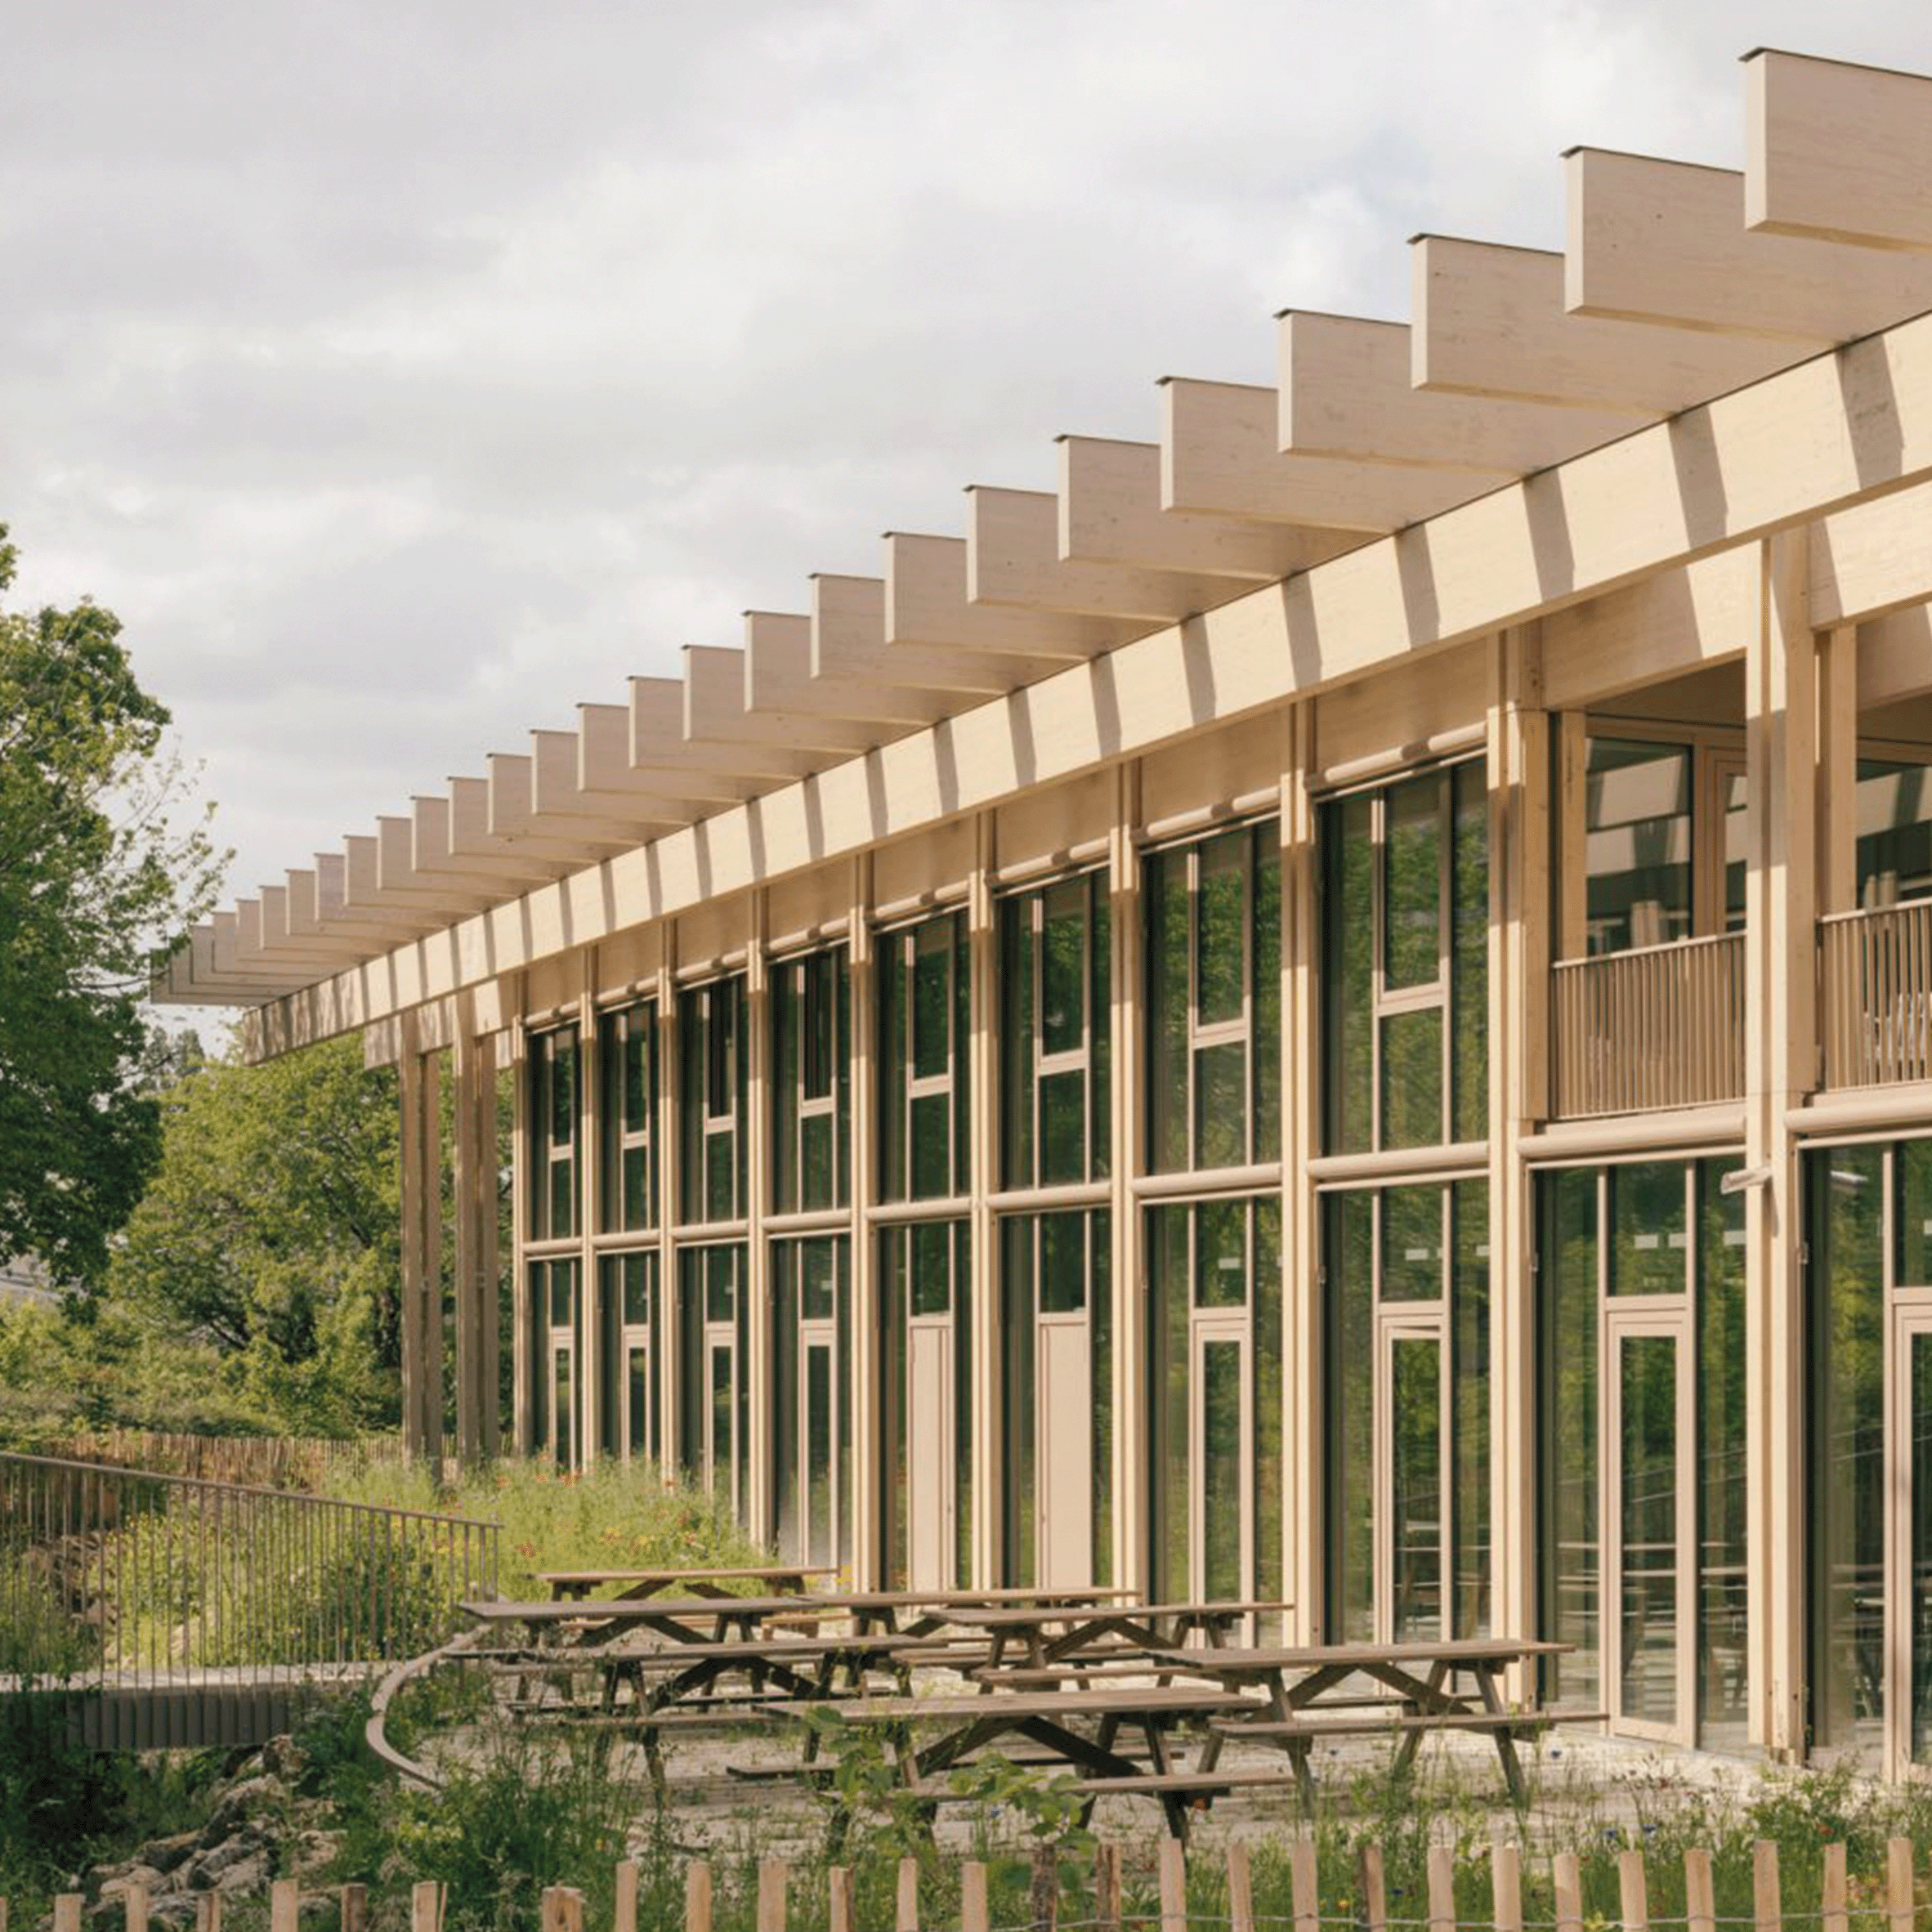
[(1847, 1445), (1647, 1365), (1649, 1246), (1638, 844), (1468, 1336), (1412, 884), (1919, 1452), (1566, 1393), (1416, 1477), (1221, 1469), (1723, 1546), (1348, 1267), (1412, 1078)]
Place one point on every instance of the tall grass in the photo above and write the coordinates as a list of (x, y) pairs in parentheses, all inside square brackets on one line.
[(616, 1517)]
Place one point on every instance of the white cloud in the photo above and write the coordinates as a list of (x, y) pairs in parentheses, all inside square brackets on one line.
[(403, 375)]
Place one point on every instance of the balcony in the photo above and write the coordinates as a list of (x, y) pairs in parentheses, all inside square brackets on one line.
[(1655, 1027), (1876, 970)]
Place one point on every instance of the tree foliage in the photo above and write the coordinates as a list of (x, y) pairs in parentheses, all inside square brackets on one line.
[(270, 1231), (96, 878)]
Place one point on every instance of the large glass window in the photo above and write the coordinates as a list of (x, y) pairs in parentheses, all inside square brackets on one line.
[(626, 1106), (628, 1348), (811, 1403), (1895, 838), (1638, 844), (811, 1081), (1405, 924), (1214, 1382), (1406, 1277), (554, 1290), (713, 1361), (1641, 1394), (712, 1090), (924, 1003), (552, 1134), (1053, 1017), (1213, 913), (1847, 1435)]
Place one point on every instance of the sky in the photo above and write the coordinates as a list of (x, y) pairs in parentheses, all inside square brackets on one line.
[(403, 375)]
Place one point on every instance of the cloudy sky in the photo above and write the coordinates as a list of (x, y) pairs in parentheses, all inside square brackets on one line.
[(403, 373)]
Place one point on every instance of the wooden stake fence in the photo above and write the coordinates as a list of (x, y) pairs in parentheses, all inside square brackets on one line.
[(562, 1905)]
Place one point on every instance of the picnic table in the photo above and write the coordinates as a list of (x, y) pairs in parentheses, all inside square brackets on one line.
[(1314, 1691), (573, 1585), (1044, 1718)]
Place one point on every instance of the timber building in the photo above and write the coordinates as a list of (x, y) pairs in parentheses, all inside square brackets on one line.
[(1340, 1008)]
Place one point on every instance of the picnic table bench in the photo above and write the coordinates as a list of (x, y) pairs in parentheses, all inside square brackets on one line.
[(1314, 1691)]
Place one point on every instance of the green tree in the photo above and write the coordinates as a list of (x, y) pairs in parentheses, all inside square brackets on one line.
[(271, 1230), (97, 879)]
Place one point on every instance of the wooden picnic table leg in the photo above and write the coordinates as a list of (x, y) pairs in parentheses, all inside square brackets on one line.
[(1430, 1702), (1304, 1777), (1489, 1690)]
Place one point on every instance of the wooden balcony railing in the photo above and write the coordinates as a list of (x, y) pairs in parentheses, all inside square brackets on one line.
[(1662, 1026), (1877, 983)]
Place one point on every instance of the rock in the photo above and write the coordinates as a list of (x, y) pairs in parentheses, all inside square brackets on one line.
[(249, 1874), (241, 1801), (173, 1908), (282, 1757), (168, 1855), (144, 1875), (213, 1866)]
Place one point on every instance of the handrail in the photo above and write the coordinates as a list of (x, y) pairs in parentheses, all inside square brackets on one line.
[(1875, 971), (375, 1731), (1655, 1026)]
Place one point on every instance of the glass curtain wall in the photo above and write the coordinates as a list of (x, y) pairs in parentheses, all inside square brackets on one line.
[(925, 1307), (1056, 1382), (1405, 923), (810, 1333), (630, 1320), (1406, 1291), (1640, 1386), (712, 1079), (553, 1268), (1214, 1265), (713, 1397), (812, 1443), (1869, 1297)]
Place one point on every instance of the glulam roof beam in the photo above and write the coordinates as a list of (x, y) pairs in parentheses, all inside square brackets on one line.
[(1345, 391), (736, 768), (1013, 556), (1837, 152), (558, 787), (513, 812), (365, 885), (429, 852), (927, 602), (1110, 511), (779, 681), (252, 947), (849, 642), (1490, 321), (1220, 452), (1665, 242), (277, 940), (313, 904), (470, 829), (714, 709)]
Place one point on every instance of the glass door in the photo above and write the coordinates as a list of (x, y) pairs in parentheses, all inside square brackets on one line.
[(1220, 1428), (1411, 1366), (1650, 1514), (1908, 1605)]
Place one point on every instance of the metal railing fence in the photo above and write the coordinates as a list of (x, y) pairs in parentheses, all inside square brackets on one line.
[(172, 1610)]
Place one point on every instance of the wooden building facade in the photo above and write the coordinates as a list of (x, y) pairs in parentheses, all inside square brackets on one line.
[(1340, 1008)]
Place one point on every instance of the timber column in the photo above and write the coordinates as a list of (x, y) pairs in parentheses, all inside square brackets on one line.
[(1519, 960), (1781, 1059), (421, 1246), (474, 1179)]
